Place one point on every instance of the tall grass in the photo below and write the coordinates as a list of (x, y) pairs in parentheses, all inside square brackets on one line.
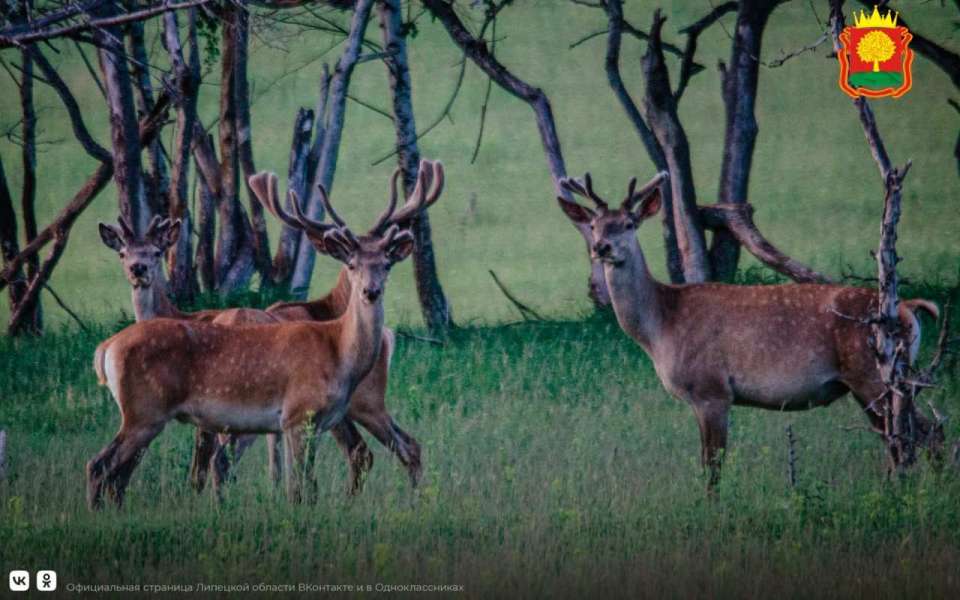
[(555, 464)]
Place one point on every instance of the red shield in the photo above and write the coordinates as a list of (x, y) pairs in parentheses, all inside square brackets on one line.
[(875, 61)]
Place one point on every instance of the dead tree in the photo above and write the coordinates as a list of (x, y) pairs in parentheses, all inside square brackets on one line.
[(433, 302), (903, 431), (477, 51), (665, 141), (332, 129)]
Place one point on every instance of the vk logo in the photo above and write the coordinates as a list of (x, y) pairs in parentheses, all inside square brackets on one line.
[(19, 581)]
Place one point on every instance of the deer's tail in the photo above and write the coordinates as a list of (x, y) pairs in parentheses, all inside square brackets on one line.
[(99, 361), (910, 319), (925, 305)]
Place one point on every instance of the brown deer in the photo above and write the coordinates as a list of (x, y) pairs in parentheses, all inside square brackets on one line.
[(779, 347), (292, 377), (142, 261)]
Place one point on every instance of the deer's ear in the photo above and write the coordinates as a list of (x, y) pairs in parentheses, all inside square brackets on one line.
[(575, 212), (649, 206), (336, 245), (400, 247), (168, 236), (111, 236)]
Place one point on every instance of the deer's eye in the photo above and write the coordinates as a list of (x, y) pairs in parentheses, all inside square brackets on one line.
[(158, 253), (122, 254), (630, 225)]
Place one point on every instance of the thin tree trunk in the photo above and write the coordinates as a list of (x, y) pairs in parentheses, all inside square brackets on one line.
[(186, 82), (433, 302), (259, 239), (662, 116), (333, 131), (739, 82), (234, 249), (158, 182), (614, 10), (28, 304), (9, 243), (32, 319), (206, 234), (124, 136), (283, 260), (478, 52)]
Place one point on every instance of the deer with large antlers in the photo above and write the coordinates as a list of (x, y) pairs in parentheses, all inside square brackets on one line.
[(778, 347), (295, 378)]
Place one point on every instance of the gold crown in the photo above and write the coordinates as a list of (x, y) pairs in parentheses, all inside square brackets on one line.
[(875, 20)]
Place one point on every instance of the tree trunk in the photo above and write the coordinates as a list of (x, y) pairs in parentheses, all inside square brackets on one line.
[(186, 82), (32, 320), (662, 116), (478, 52), (206, 234), (739, 82), (9, 243), (123, 125), (259, 240), (297, 168), (157, 183), (614, 10), (433, 302), (333, 131), (234, 256)]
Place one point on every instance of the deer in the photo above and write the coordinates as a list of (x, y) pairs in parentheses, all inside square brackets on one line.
[(367, 406), (777, 347), (199, 372)]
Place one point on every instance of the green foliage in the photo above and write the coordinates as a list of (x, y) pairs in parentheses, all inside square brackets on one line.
[(555, 465)]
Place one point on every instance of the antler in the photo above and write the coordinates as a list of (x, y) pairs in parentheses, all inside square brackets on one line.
[(125, 229), (576, 187), (633, 197), (264, 186), (420, 199), (384, 219)]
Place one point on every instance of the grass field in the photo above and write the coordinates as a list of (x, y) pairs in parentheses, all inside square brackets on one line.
[(555, 463)]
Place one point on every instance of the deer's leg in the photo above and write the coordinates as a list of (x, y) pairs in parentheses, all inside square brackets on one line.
[(239, 444), (205, 444), (298, 462), (388, 433), (112, 467), (359, 457), (929, 434), (712, 416)]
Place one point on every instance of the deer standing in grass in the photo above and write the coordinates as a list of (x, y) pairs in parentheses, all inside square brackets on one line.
[(294, 378), (778, 347), (142, 258)]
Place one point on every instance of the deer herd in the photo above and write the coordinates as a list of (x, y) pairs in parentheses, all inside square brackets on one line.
[(298, 369)]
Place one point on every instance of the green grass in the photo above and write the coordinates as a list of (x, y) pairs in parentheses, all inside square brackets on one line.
[(815, 187), (555, 464)]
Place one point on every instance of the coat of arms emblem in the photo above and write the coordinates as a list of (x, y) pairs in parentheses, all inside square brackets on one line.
[(875, 58)]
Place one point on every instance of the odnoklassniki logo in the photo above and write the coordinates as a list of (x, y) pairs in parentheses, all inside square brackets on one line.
[(875, 59)]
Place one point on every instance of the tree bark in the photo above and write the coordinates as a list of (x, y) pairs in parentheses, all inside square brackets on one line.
[(478, 52), (234, 255), (123, 125), (31, 320), (333, 131), (614, 9), (259, 239), (206, 233), (661, 109), (739, 82), (297, 176), (9, 242), (433, 302), (186, 82), (157, 183)]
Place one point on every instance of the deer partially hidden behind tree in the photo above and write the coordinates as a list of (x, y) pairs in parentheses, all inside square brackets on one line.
[(779, 347), (291, 377)]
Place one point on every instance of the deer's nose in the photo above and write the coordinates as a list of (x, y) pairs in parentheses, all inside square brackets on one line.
[(372, 294), (138, 269), (602, 249)]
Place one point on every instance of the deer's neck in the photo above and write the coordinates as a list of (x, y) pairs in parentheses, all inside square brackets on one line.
[(636, 301), (152, 302), (335, 303), (362, 332)]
